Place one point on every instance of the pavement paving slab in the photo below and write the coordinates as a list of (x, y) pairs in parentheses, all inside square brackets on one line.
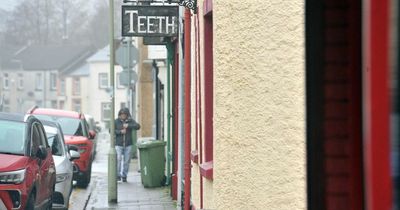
[(131, 195)]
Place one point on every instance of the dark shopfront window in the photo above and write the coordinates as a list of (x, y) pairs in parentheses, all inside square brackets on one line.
[(395, 137), (395, 111)]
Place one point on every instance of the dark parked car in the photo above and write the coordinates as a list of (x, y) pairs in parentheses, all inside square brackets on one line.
[(27, 170)]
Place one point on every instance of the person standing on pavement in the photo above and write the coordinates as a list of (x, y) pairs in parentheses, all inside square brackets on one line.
[(124, 126)]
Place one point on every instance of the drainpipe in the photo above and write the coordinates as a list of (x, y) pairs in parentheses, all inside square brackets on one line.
[(156, 101), (170, 58), (181, 116), (187, 107)]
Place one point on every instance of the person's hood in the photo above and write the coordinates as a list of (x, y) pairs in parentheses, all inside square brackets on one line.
[(124, 110)]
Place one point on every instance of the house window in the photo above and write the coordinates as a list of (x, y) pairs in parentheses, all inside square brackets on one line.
[(105, 111), (54, 104), (6, 81), (62, 105), (53, 81), (20, 81), (103, 80), (123, 105), (39, 103), (62, 87), (119, 85), (76, 86), (206, 168), (6, 107), (39, 81), (76, 105)]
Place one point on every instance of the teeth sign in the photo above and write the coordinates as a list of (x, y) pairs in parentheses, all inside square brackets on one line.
[(150, 21)]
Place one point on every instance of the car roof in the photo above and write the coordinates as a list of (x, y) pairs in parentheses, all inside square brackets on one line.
[(17, 117), (56, 112)]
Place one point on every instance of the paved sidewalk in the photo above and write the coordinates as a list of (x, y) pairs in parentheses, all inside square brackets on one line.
[(131, 195)]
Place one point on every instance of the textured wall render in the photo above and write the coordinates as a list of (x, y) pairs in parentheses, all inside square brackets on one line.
[(208, 196), (259, 118)]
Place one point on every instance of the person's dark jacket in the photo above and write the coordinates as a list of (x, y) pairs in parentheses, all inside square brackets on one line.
[(125, 139)]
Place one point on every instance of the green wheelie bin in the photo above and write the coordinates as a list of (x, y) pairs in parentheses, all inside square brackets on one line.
[(152, 162)]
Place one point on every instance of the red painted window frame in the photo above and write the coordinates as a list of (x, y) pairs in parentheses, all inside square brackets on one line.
[(206, 168), (195, 153), (376, 111)]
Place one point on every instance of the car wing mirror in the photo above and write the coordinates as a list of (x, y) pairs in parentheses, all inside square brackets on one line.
[(92, 134), (74, 155), (73, 148)]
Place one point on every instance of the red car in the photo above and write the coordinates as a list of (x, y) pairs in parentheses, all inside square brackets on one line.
[(27, 171), (76, 132)]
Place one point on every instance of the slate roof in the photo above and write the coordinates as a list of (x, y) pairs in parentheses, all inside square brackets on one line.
[(102, 55), (6, 57), (64, 58), (83, 70)]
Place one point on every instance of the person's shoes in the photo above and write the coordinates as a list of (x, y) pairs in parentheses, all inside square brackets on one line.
[(119, 178), (124, 179)]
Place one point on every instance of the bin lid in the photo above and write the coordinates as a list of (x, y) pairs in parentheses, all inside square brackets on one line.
[(150, 144)]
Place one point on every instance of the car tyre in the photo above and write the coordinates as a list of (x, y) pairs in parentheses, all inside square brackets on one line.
[(83, 181), (30, 204)]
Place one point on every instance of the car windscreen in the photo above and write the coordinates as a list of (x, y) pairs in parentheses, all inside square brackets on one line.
[(12, 137), (54, 140), (69, 126)]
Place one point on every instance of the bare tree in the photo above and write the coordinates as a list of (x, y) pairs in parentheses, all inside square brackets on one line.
[(57, 21)]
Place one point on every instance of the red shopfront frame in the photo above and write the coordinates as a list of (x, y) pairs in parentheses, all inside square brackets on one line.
[(376, 109)]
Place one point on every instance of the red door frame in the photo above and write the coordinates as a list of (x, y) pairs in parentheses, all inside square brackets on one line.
[(378, 187)]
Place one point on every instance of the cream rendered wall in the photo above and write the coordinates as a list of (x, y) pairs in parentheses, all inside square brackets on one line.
[(259, 106), (85, 94), (97, 95)]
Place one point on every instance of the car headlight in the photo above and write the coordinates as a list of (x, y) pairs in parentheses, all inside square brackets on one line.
[(61, 177), (14, 177)]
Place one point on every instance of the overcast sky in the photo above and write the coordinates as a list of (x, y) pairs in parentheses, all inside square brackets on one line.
[(9, 5)]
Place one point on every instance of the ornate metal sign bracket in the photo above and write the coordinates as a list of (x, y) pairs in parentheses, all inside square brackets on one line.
[(190, 4)]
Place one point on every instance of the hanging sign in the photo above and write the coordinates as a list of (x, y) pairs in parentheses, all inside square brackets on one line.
[(150, 21), (154, 40)]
